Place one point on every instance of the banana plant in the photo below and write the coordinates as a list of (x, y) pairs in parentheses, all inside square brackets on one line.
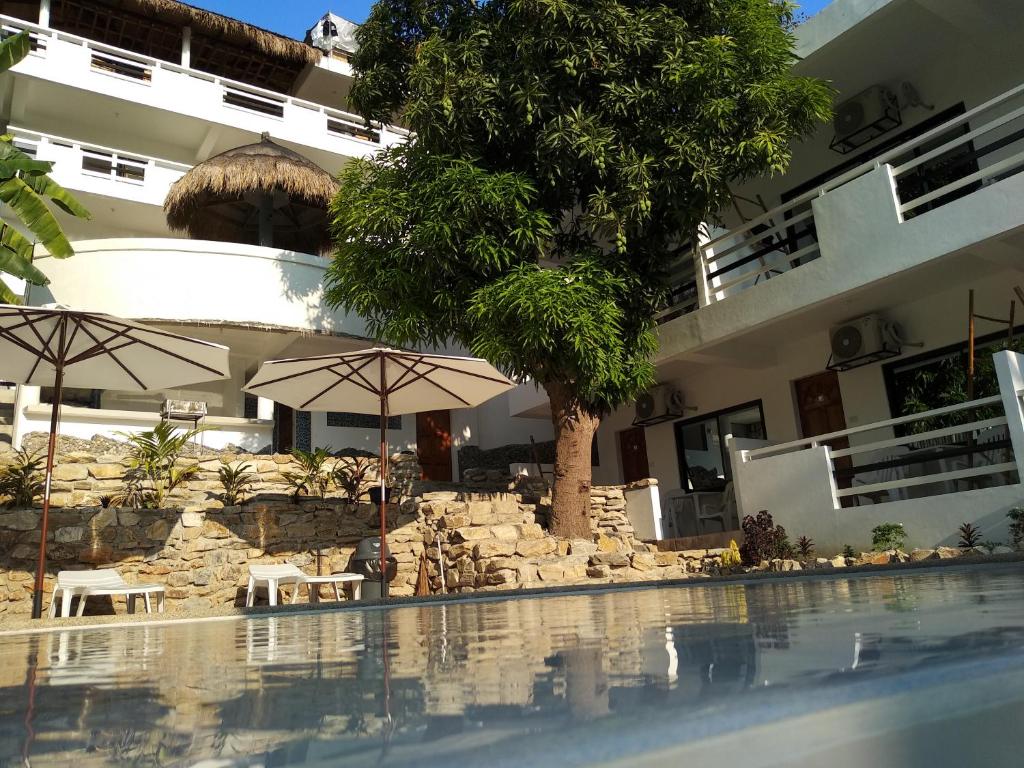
[(27, 189)]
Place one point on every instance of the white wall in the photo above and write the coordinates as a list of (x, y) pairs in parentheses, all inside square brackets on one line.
[(936, 320), (168, 279)]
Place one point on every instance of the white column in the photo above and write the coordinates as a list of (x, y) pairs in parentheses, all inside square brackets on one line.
[(1010, 372), (186, 47), (264, 409), (704, 290), (24, 397), (44, 13)]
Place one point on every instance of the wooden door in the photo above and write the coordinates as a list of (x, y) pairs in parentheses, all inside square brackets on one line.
[(820, 403), (284, 428), (434, 445), (633, 447)]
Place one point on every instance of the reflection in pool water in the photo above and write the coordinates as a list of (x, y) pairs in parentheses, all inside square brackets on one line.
[(568, 680)]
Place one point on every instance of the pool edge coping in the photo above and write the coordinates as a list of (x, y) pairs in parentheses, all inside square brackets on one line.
[(241, 613)]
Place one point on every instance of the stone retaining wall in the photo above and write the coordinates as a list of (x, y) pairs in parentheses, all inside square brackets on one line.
[(471, 537)]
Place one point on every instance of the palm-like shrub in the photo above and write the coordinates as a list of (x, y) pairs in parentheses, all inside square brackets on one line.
[(970, 536), (22, 480), (237, 482), (313, 477), (154, 456), (351, 476)]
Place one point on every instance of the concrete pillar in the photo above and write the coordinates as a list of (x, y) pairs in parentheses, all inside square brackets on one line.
[(1010, 372), (264, 409), (704, 290), (44, 13), (24, 397), (186, 47)]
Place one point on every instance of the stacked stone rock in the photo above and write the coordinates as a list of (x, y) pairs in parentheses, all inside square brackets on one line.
[(93, 471), (494, 542)]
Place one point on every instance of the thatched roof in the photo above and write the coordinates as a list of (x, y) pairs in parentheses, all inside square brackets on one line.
[(224, 27), (215, 199)]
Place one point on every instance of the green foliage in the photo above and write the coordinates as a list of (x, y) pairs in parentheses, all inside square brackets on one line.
[(22, 480), (133, 493), (590, 137), (944, 383), (887, 536), (805, 546), (1016, 516), (989, 546), (351, 476), (155, 455), (970, 536), (313, 477), (25, 187), (848, 551), (237, 482)]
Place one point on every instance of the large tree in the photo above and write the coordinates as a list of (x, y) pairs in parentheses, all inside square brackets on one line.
[(563, 153)]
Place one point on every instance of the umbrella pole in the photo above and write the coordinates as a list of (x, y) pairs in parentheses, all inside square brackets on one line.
[(51, 449), (383, 477)]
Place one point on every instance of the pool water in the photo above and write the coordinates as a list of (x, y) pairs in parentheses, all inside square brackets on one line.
[(924, 669)]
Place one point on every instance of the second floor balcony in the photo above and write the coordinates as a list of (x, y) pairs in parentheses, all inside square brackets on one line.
[(91, 80), (950, 188)]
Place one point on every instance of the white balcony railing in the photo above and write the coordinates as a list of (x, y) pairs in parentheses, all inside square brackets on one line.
[(118, 64), (979, 147), (102, 170)]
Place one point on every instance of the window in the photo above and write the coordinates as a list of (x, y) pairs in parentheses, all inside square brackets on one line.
[(700, 444), (360, 420)]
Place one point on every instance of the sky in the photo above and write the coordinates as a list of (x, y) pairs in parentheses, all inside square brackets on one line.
[(294, 17)]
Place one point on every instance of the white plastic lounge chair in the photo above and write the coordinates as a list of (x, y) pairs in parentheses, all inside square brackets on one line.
[(273, 576), (105, 581)]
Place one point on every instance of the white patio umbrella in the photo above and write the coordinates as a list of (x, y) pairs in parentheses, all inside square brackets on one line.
[(59, 347), (383, 381)]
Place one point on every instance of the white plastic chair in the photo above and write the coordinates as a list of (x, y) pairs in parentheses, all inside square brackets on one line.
[(105, 581), (273, 576), (276, 575)]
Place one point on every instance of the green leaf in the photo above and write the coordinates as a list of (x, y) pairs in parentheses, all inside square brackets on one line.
[(46, 187), (7, 296), (13, 258), (32, 211), (13, 49)]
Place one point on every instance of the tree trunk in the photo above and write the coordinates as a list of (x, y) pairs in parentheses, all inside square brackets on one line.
[(574, 433)]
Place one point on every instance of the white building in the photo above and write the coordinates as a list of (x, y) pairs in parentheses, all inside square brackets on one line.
[(124, 97), (908, 202)]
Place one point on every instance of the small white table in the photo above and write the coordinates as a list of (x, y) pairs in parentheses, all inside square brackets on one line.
[(352, 582)]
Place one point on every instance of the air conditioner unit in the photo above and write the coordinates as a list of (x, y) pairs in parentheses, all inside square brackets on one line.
[(864, 118), (183, 410), (661, 403), (862, 341)]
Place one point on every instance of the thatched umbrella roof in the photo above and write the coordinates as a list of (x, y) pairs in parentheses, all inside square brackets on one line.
[(216, 25), (221, 198)]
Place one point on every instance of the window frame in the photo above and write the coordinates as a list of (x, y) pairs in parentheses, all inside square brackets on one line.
[(679, 425)]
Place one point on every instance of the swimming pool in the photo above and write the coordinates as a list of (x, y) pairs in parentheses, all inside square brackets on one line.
[(920, 669)]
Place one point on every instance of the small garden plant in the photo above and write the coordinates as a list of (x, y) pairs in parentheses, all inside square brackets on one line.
[(237, 481), (155, 460), (970, 536), (805, 546), (888, 536), (763, 540), (1016, 516), (848, 551), (350, 476), (731, 556), (313, 477), (22, 480)]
